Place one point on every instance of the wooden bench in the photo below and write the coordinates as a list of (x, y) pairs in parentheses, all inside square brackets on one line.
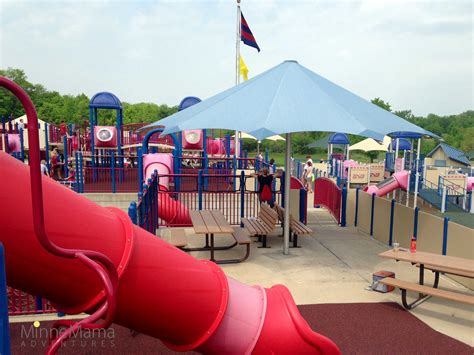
[(176, 237), (262, 225), (296, 227), (426, 292)]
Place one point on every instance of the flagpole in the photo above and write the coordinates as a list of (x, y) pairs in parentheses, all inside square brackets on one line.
[(237, 73)]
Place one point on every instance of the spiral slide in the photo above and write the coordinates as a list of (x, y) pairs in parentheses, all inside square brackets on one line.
[(187, 303), (170, 210), (396, 181)]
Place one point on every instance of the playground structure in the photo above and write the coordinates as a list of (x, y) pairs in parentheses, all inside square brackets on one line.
[(118, 252), (451, 191)]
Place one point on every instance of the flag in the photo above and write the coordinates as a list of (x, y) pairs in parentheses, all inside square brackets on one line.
[(244, 71), (246, 35)]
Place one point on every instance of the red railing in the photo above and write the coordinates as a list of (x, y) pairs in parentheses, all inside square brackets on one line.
[(21, 303), (101, 179), (328, 194)]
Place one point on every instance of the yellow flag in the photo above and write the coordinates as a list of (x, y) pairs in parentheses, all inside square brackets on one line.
[(244, 71)]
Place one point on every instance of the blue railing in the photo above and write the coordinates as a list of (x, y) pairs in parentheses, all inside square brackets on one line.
[(4, 330), (170, 208)]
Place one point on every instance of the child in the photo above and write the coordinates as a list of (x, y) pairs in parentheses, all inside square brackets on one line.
[(44, 168), (308, 176)]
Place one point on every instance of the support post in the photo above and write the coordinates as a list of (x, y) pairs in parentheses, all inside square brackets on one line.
[(76, 165), (286, 226), (415, 223), (65, 169), (356, 207), (343, 206), (408, 189), (471, 202), (395, 163), (4, 326), (392, 213), (443, 200), (200, 182), (417, 173), (303, 205), (445, 235), (242, 197), (22, 145), (112, 171), (140, 169), (372, 215), (46, 142)]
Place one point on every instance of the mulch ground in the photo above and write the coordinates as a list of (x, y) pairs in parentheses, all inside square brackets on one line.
[(357, 328)]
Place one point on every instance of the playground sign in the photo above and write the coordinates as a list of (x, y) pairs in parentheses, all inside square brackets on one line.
[(359, 175), (376, 173)]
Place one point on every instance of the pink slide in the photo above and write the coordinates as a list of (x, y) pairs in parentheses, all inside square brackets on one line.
[(170, 210), (189, 304), (396, 181)]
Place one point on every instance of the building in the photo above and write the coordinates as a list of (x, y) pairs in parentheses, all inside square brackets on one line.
[(443, 155)]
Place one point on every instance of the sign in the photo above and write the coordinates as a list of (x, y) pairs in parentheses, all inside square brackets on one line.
[(359, 175), (376, 173)]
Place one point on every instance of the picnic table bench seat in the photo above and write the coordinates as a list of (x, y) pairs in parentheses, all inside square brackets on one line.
[(425, 290), (175, 236), (262, 225), (297, 228)]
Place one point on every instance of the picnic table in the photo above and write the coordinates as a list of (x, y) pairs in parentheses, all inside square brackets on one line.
[(437, 264), (213, 222)]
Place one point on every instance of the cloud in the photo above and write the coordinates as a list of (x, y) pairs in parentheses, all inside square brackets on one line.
[(161, 51)]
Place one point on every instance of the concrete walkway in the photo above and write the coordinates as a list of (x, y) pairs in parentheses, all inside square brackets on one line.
[(335, 265)]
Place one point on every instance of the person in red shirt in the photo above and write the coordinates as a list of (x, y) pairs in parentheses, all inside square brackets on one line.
[(265, 181)]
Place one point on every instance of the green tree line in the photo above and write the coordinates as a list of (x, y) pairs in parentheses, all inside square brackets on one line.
[(456, 130), (53, 107)]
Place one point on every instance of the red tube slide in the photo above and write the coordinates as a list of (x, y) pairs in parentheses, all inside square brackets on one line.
[(162, 291), (396, 181), (170, 210)]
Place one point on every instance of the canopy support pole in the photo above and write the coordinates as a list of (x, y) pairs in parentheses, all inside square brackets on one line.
[(237, 74), (286, 225), (417, 174)]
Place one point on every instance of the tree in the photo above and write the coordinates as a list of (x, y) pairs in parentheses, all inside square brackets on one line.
[(381, 103)]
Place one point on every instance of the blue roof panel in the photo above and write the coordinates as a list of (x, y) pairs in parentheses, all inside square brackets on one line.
[(338, 138), (188, 101), (105, 100)]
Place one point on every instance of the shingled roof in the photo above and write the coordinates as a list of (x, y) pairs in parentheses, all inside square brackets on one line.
[(452, 153)]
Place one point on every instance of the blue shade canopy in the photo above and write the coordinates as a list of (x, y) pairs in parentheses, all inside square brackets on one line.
[(105, 100), (285, 99), (338, 138), (403, 144)]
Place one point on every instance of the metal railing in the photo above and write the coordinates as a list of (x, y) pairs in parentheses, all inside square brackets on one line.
[(159, 206)]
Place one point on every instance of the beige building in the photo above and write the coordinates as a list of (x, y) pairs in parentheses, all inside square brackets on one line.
[(443, 155)]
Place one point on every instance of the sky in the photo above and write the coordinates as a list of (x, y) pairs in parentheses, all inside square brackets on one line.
[(416, 55)]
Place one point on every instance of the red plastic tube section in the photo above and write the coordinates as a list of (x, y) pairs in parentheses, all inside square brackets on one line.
[(163, 291), (170, 210)]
